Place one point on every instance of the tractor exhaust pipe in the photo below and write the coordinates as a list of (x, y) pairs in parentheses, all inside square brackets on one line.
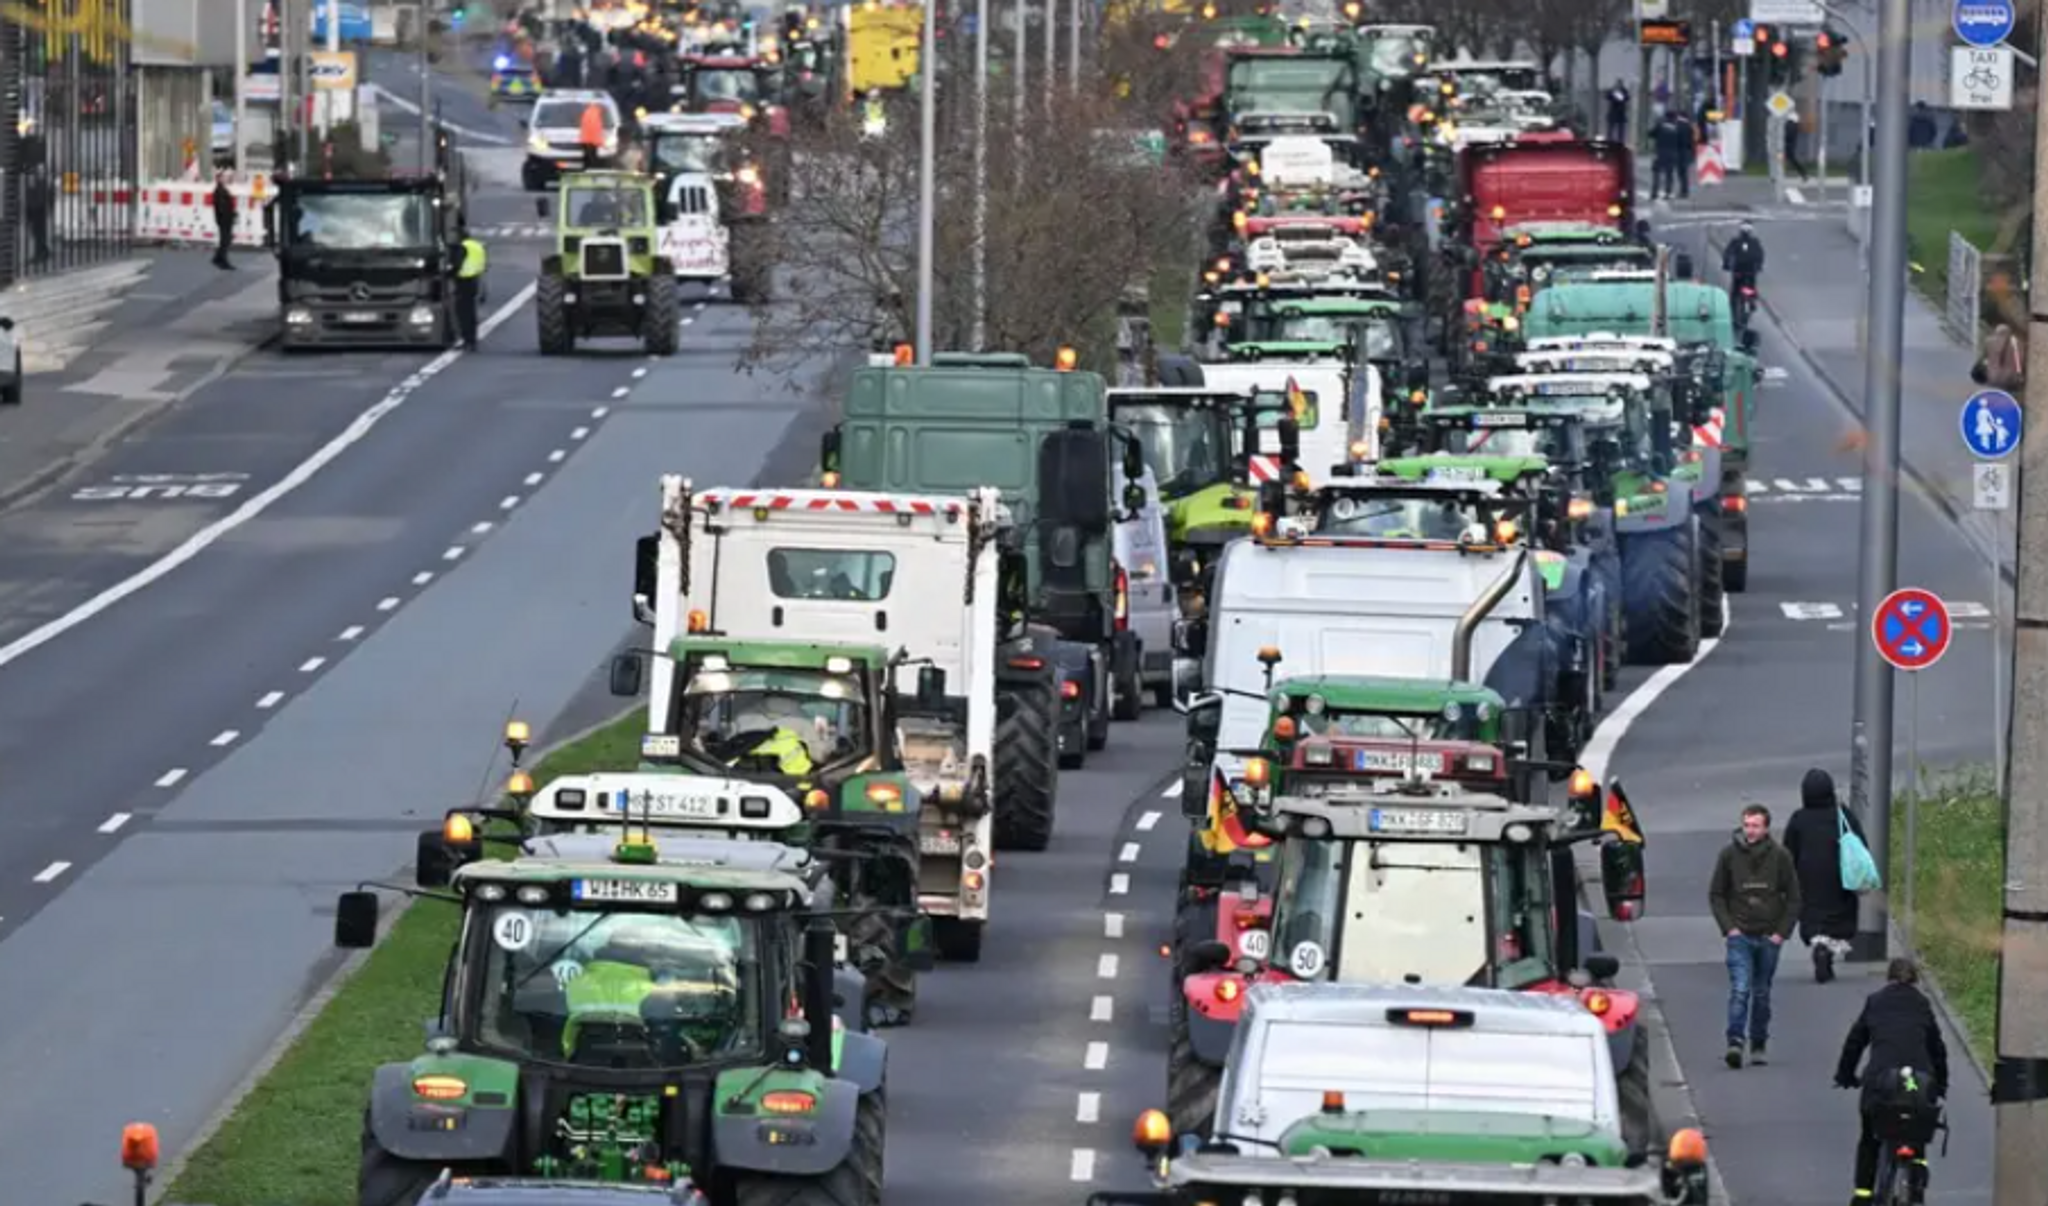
[(1468, 624), (820, 947)]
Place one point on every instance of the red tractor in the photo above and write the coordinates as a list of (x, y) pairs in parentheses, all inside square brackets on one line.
[(749, 86)]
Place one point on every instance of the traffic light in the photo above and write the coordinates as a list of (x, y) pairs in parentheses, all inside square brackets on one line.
[(1830, 49)]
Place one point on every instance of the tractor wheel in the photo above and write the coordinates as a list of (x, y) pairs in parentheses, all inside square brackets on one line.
[(1611, 645), (1638, 1112), (1735, 575), (551, 312), (1027, 769), (1658, 580), (1191, 1085), (1713, 578), (891, 987), (661, 320), (1194, 921), (854, 1181), (1127, 681), (383, 1179), (958, 941)]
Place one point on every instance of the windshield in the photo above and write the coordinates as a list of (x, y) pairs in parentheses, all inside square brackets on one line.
[(1448, 517), (1549, 442), (777, 722), (1394, 55), (1378, 335), (1430, 913), (606, 207), (737, 84), (616, 990), (364, 221), (568, 115), (1306, 409), (853, 575), (1186, 447), (1375, 726), (679, 153)]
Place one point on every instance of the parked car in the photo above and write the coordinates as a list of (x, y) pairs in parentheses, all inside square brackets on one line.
[(355, 23)]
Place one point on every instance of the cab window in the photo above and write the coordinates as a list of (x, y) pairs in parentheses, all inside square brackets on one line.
[(852, 575)]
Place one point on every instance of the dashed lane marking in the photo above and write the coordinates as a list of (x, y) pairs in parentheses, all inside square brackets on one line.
[(1105, 967), (556, 457), (1172, 791), (454, 553), (508, 502), (1096, 1058), (311, 664), (113, 823), (225, 737), (423, 577), (1088, 1108), (1119, 884), (1083, 1168), (51, 872), (270, 700), (1146, 822), (1965, 615), (1102, 1009), (1129, 854), (350, 633), (639, 372), (388, 603), (533, 479), (171, 778), (1112, 925), (579, 433), (481, 527)]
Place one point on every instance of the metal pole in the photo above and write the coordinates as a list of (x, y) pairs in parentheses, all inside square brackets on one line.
[(927, 189), (1017, 85), (298, 37), (426, 91), (1052, 51), (1870, 751), (1910, 881), (2019, 1090), (1820, 154), (1074, 51), (333, 47), (980, 175), (241, 87)]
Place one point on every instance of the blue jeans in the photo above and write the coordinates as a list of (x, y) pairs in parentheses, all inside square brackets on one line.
[(1752, 963)]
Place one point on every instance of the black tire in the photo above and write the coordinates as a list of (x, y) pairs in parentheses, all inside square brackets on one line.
[(854, 1181), (1713, 578), (1095, 721), (958, 941), (1194, 921), (1191, 1085), (1027, 767), (891, 987), (1127, 683), (661, 320), (1632, 1084), (383, 1179), (1613, 640), (551, 315), (1658, 576), (1735, 576), (10, 394)]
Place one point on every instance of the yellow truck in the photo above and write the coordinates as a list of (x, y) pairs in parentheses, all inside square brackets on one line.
[(881, 46)]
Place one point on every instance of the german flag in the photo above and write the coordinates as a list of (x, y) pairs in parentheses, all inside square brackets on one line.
[(1223, 806), (1297, 401), (1619, 819)]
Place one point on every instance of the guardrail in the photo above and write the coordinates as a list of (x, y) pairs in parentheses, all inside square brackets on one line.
[(1965, 299)]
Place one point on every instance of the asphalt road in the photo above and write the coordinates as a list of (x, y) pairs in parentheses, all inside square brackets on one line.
[(1745, 724)]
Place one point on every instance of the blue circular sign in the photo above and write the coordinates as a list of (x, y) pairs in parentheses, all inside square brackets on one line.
[(1744, 30), (1983, 22), (1911, 628), (1991, 420)]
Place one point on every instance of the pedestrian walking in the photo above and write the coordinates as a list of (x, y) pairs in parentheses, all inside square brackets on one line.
[(2003, 363), (223, 219), (1666, 151), (471, 259), (590, 135), (1688, 146), (1813, 837), (1754, 893), (37, 204), (1792, 159), (1617, 112)]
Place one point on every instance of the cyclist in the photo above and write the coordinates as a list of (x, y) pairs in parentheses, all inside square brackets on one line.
[(1904, 1081), (1743, 261)]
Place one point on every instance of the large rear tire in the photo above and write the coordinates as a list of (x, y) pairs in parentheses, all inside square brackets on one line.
[(1713, 578), (1127, 681), (1658, 577), (551, 314), (1638, 1111), (383, 1179), (661, 321), (1191, 1085), (854, 1181), (1027, 767)]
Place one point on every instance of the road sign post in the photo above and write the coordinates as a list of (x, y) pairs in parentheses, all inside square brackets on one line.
[(1911, 629), (1991, 421)]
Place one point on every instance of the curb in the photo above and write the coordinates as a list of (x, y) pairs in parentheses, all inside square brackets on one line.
[(326, 988), (1937, 497)]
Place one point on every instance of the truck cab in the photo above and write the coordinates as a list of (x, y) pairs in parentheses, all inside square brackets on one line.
[(700, 175), (365, 262)]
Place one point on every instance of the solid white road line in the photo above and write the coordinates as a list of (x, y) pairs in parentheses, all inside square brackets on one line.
[(258, 503), (171, 778), (1088, 1108), (113, 823), (1096, 1057), (52, 872), (1616, 724)]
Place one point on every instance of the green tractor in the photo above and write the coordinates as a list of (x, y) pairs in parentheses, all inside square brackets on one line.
[(617, 1016), (604, 277), (1536, 256), (1700, 326)]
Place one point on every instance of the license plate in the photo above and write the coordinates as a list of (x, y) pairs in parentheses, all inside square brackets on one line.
[(1417, 820), (938, 843), (1394, 760), (627, 891), (359, 316), (665, 805)]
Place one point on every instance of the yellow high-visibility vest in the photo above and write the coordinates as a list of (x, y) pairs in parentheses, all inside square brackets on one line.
[(474, 259)]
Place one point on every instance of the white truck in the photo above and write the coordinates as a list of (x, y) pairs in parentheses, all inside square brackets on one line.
[(686, 154), (835, 568), (1412, 581), (1341, 402)]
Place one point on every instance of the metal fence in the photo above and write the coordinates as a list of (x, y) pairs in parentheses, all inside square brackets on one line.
[(67, 151), (1965, 299)]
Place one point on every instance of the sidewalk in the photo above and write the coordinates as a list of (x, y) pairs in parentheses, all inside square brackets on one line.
[(1814, 289), (176, 323)]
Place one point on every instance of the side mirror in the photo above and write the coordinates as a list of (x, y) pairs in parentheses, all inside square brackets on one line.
[(646, 576), (1621, 879), (540, 206), (6, 324), (435, 860), (355, 921), (1073, 479), (931, 687), (1134, 498), (1203, 957), (628, 675), (914, 944), (1603, 966), (1134, 461)]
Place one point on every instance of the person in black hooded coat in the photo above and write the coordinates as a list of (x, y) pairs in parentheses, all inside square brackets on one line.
[(1813, 837)]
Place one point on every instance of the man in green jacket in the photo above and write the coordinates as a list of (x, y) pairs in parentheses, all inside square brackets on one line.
[(1755, 897)]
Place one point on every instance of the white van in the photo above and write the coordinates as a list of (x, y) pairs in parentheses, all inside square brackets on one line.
[(1146, 609), (1344, 406)]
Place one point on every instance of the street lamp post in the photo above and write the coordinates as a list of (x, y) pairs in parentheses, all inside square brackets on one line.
[(980, 174), (927, 199)]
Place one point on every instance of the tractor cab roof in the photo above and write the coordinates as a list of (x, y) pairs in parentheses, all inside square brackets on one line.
[(717, 654), (1378, 693), (597, 846), (638, 873), (1412, 810)]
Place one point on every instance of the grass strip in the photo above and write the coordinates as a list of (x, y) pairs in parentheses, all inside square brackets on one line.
[(297, 1136), (1943, 194), (1958, 873)]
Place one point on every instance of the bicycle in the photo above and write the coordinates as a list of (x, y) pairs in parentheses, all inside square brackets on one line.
[(1895, 1160)]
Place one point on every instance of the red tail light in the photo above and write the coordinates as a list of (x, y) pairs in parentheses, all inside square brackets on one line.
[(1070, 689), (1123, 600), (1246, 919)]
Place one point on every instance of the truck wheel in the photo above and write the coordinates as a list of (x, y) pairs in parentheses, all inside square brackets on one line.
[(854, 1181), (551, 313), (958, 940), (1657, 580), (1713, 579), (383, 1179), (661, 320), (1127, 689), (1027, 768), (1638, 1112), (1095, 721), (1191, 1085), (891, 987), (1193, 922)]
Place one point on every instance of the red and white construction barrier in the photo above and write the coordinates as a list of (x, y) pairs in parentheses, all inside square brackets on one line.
[(180, 212)]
